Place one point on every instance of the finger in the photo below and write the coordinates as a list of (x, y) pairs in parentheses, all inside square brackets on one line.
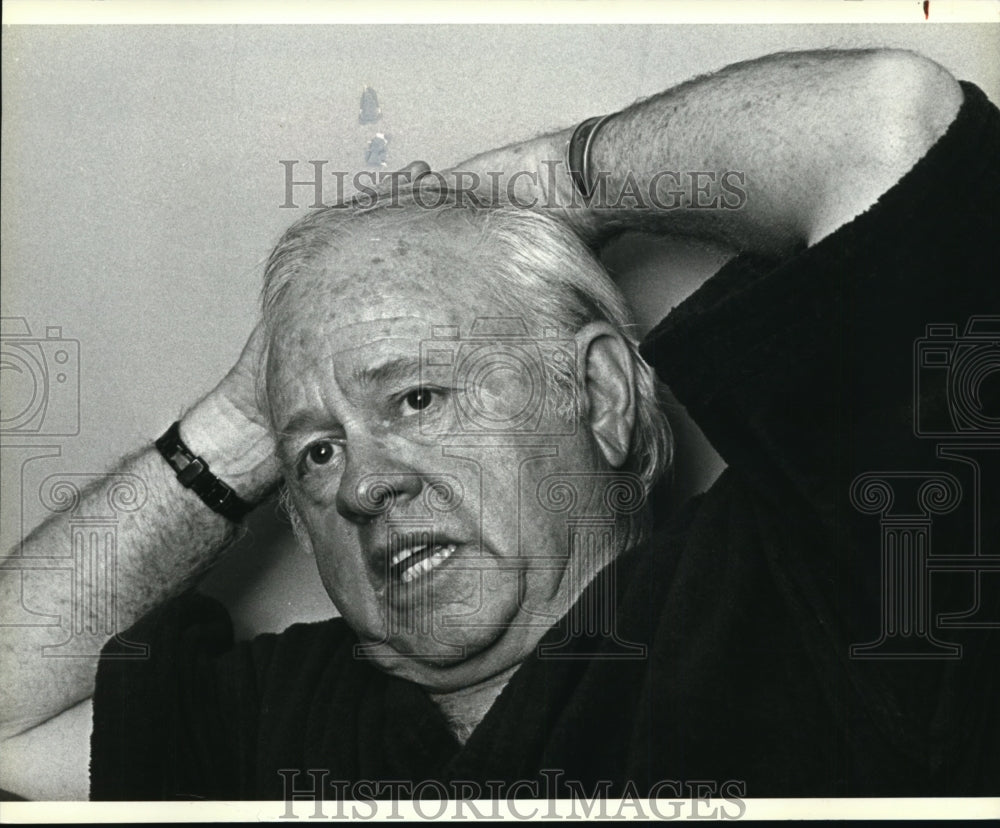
[(410, 174), (416, 169)]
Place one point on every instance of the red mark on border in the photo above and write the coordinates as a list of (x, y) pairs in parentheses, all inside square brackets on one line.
[(927, 9)]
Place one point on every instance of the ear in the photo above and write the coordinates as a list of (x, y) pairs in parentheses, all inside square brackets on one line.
[(609, 389)]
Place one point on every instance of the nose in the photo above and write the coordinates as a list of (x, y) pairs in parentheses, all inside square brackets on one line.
[(374, 481)]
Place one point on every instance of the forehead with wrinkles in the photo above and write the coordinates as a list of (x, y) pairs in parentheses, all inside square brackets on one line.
[(385, 266)]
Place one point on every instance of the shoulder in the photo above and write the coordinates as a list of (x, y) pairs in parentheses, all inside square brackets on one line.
[(302, 651)]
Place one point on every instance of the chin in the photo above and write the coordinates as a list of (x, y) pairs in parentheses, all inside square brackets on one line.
[(463, 660), (450, 647)]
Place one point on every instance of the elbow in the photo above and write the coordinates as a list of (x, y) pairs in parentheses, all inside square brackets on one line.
[(915, 100), (892, 107)]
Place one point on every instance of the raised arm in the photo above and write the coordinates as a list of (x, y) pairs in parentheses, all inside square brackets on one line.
[(160, 548), (763, 156)]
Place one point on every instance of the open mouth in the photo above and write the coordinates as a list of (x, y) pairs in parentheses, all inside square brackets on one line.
[(417, 560)]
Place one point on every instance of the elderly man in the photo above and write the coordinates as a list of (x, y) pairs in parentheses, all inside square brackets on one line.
[(470, 445)]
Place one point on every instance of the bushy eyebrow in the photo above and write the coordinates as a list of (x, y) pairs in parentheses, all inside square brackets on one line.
[(394, 370)]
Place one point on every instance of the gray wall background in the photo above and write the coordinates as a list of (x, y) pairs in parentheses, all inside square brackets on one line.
[(141, 191)]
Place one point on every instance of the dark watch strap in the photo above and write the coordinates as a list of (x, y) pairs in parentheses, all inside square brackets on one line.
[(194, 474)]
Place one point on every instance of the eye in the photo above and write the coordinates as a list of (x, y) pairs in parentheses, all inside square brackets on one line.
[(320, 459), (419, 398), (321, 453), (317, 455)]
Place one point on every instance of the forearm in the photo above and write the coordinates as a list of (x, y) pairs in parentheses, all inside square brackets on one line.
[(762, 156), (160, 547)]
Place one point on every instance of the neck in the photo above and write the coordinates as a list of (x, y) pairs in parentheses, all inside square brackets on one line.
[(465, 708)]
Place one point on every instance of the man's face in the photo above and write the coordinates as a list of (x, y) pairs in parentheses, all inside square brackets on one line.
[(430, 532)]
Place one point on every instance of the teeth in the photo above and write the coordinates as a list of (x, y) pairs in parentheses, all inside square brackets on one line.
[(403, 554), (440, 554)]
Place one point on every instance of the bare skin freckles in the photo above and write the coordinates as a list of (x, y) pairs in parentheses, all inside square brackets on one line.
[(429, 538)]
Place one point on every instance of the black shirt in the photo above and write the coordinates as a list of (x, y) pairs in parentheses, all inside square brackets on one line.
[(805, 374)]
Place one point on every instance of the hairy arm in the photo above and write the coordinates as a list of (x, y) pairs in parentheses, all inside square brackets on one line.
[(762, 156), (161, 548)]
